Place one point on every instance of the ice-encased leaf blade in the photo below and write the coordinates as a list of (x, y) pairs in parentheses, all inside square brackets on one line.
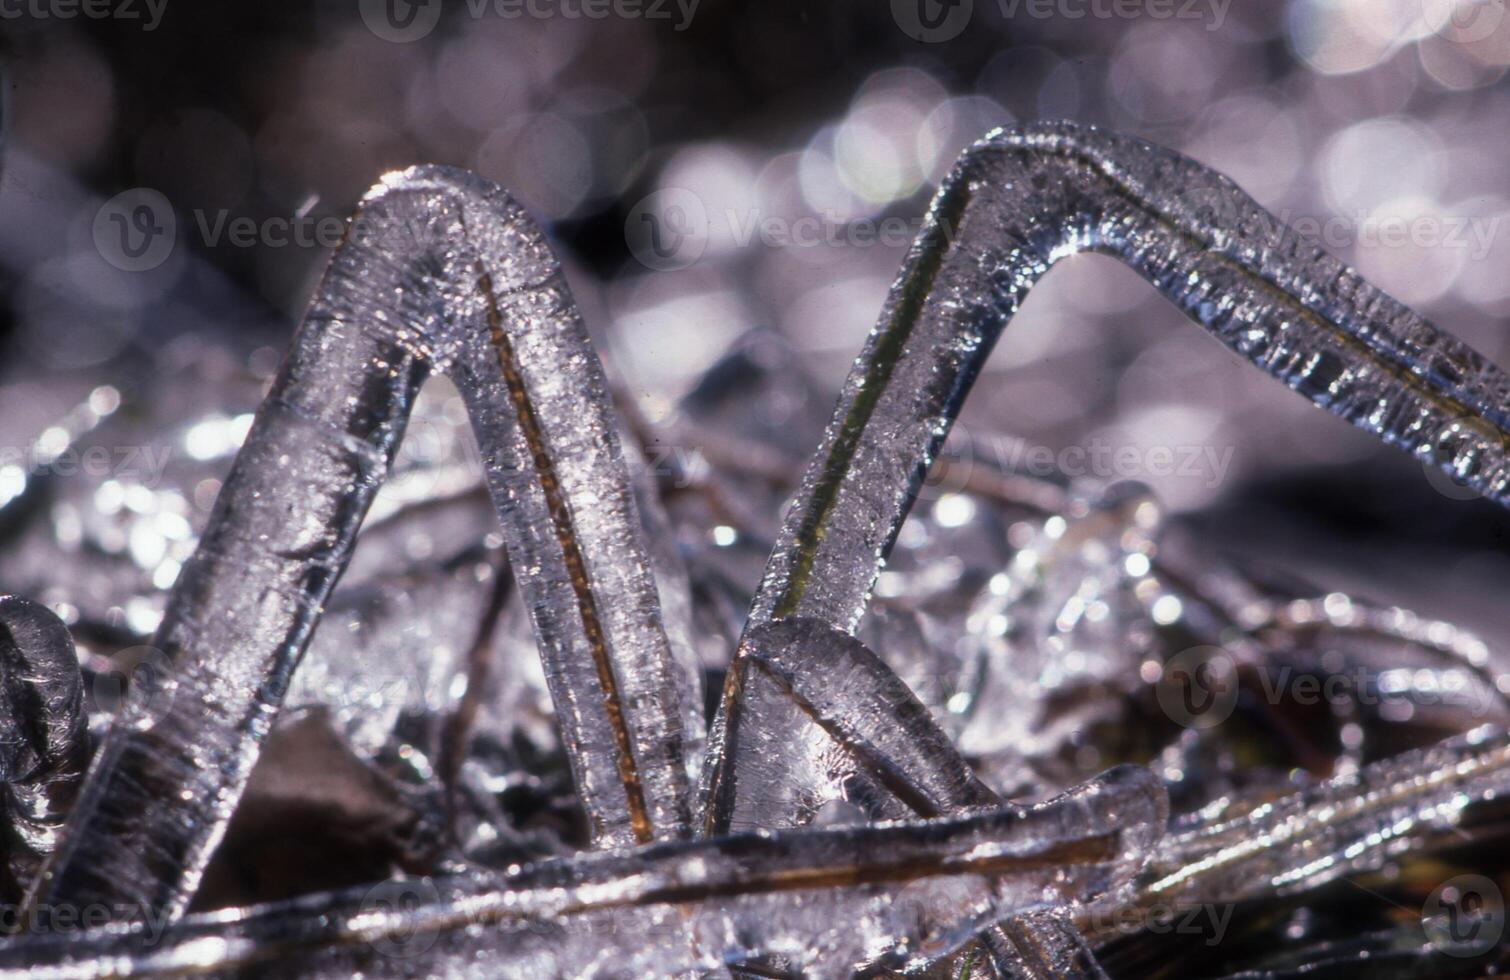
[(440, 270)]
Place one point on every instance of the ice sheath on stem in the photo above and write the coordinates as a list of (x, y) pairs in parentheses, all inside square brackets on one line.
[(1299, 842), (443, 272), (894, 896), (440, 271), (1019, 201)]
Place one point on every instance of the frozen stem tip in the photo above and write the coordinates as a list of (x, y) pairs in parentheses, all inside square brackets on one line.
[(44, 739)]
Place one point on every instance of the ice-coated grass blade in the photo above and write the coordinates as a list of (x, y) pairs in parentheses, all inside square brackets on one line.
[(1017, 202), (440, 271), (894, 896), (1339, 827)]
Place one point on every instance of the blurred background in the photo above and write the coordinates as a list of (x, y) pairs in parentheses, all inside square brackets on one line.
[(175, 174)]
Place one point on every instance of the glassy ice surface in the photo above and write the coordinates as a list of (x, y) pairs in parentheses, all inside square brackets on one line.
[(439, 271), (1011, 615), (1338, 827), (1019, 201), (827, 900)]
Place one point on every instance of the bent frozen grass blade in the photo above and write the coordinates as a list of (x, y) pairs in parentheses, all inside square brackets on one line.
[(852, 730), (892, 896), (44, 740), (440, 271), (1017, 202), (457, 280)]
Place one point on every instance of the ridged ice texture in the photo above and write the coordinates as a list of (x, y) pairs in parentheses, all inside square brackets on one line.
[(44, 743), (440, 271), (891, 896), (1340, 827), (1017, 202)]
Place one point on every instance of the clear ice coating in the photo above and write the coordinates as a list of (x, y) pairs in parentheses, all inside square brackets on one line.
[(1020, 200), (840, 826), (850, 733), (44, 743), (1306, 839), (440, 271), (849, 737), (1017, 202), (889, 897)]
